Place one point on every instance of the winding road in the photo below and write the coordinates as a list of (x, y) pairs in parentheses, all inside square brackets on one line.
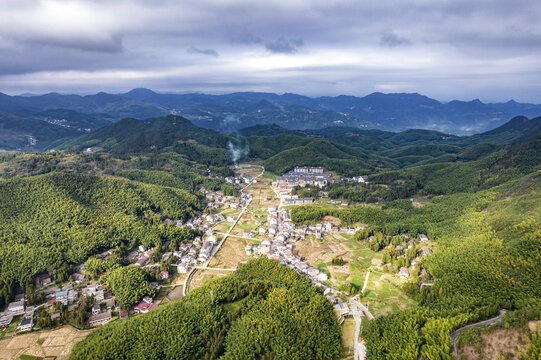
[(456, 333)]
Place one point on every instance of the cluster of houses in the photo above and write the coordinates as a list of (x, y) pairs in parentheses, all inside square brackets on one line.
[(281, 251), (403, 271), (18, 308), (216, 200), (67, 296), (145, 305), (295, 200), (281, 227), (362, 179), (189, 254), (281, 232), (301, 176), (239, 179)]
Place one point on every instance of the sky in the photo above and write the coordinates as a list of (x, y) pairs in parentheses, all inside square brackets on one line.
[(445, 49)]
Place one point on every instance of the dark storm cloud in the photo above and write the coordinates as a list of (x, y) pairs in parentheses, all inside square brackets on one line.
[(313, 46), (283, 45), (392, 40), (208, 52)]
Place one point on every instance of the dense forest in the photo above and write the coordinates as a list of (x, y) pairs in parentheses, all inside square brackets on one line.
[(262, 311), (478, 198), (58, 208), (171, 133), (487, 258), (59, 217)]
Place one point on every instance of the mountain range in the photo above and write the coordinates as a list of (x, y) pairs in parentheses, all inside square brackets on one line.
[(73, 115)]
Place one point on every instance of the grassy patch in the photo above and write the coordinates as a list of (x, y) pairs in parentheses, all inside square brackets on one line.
[(29, 357), (384, 295), (348, 334)]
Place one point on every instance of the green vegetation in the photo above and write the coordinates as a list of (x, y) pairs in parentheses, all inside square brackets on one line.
[(262, 311), (166, 134), (58, 217), (129, 284), (339, 158), (29, 357), (534, 350), (17, 132), (487, 258)]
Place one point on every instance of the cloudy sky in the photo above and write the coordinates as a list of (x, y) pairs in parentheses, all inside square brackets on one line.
[(446, 49)]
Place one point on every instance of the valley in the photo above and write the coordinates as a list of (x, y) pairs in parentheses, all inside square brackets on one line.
[(159, 214), (270, 180)]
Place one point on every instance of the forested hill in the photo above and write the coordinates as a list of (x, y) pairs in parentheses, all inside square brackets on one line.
[(171, 133), (262, 311), (484, 220), (376, 150), (64, 218), (283, 152)]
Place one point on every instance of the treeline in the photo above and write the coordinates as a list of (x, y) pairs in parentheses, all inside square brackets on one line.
[(449, 178), (476, 271), (262, 311), (164, 169), (157, 135), (54, 218)]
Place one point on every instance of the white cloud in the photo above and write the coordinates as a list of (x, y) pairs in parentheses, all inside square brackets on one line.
[(313, 47)]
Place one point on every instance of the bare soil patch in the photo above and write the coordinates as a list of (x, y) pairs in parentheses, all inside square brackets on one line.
[(58, 342), (203, 276), (502, 342), (230, 254)]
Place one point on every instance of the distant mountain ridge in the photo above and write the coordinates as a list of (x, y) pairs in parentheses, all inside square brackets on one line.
[(231, 112), (395, 112)]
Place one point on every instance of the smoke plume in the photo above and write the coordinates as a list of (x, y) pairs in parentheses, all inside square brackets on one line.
[(237, 150)]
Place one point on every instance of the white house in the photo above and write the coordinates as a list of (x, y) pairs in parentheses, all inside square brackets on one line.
[(16, 307), (26, 324), (182, 268)]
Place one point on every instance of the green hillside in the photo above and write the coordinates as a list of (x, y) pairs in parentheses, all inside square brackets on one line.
[(171, 133), (27, 133), (58, 217), (334, 157), (484, 218), (394, 150), (262, 311)]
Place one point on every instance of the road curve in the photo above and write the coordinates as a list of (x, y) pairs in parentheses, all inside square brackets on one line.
[(456, 333)]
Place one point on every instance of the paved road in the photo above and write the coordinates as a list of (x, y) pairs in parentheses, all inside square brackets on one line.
[(365, 281), (362, 350), (215, 250), (456, 333), (236, 236), (363, 308), (255, 177), (357, 316)]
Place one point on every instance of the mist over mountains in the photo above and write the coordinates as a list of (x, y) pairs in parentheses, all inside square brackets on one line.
[(30, 121)]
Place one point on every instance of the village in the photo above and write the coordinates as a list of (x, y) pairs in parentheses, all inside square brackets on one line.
[(265, 229)]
